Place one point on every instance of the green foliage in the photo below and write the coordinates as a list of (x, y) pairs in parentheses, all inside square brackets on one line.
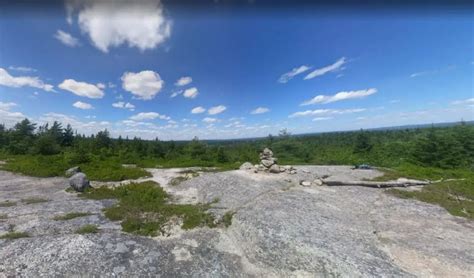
[(227, 218), (88, 229), (71, 215), (14, 235), (3, 216), (144, 210)]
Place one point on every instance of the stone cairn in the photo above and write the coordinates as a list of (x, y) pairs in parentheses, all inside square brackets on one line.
[(268, 163)]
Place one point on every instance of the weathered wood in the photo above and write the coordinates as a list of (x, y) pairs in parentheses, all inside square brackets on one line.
[(377, 184)]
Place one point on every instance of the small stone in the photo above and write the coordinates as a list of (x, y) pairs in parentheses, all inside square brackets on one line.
[(318, 182), (267, 162), (246, 166), (274, 169), (305, 183), (72, 171)]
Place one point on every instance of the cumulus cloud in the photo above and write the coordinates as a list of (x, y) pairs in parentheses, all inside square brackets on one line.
[(325, 112), (198, 110), (260, 110), (23, 69), (183, 81), (81, 89), (191, 92), (294, 72), (340, 96), (216, 110), (124, 105), (176, 93), (149, 116), (139, 24), (6, 105), (21, 81), (144, 85), (330, 68), (66, 38), (209, 120), (82, 105)]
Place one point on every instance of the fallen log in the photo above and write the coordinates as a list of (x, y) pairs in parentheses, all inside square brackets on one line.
[(378, 184)]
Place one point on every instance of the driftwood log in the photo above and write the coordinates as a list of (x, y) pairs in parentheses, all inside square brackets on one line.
[(377, 184)]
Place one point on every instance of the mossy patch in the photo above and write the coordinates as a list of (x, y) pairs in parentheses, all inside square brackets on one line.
[(144, 209), (71, 215), (87, 229), (3, 216), (14, 235), (227, 218), (7, 204)]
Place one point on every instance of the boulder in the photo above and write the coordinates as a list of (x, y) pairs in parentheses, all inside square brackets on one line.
[(274, 169), (267, 162), (79, 182), (72, 171), (246, 166)]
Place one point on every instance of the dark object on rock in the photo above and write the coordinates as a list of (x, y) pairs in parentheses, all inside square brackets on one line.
[(79, 182), (363, 167), (72, 171)]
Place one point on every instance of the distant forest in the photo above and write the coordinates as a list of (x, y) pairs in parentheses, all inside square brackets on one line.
[(48, 150)]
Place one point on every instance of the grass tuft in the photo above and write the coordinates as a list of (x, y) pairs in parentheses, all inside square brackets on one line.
[(143, 208), (87, 229), (14, 235), (7, 204), (227, 218), (3, 216), (71, 215)]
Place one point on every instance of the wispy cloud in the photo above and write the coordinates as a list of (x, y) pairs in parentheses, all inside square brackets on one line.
[(82, 89), (23, 69), (317, 119), (66, 38), (124, 105), (149, 116), (216, 110), (260, 110), (82, 105), (469, 101), (330, 68), (183, 81), (340, 96), (294, 72), (198, 110), (209, 120), (21, 81), (430, 72), (325, 112)]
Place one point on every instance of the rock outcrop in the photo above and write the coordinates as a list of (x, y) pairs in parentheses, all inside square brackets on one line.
[(79, 182)]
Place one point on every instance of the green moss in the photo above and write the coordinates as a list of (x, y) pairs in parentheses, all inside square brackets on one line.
[(143, 208), (457, 197), (3, 216), (7, 204), (71, 215), (227, 218), (34, 200), (88, 229), (14, 235)]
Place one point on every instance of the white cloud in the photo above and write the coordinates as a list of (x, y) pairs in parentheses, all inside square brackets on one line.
[(469, 101), (394, 101), (340, 96), (24, 69), (322, 119), (198, 110), (325, 112), (216, 110), (82, 89), (144, 85), (82, 105), (66, 38), (16, 82), (139, 24), (430, 72), (124, 105), (100, 86), (183, 81), (191, 92), (176, 93), (330, 68), (6, 105), (260, 110), (294, 72), (148, 116), (209, 120)]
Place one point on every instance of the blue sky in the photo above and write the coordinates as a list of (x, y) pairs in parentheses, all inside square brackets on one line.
[(248, 71)]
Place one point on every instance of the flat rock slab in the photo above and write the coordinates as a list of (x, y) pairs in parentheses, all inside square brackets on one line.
[(280, 229)]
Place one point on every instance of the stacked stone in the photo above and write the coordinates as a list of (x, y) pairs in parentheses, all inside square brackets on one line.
[(268, 163)]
